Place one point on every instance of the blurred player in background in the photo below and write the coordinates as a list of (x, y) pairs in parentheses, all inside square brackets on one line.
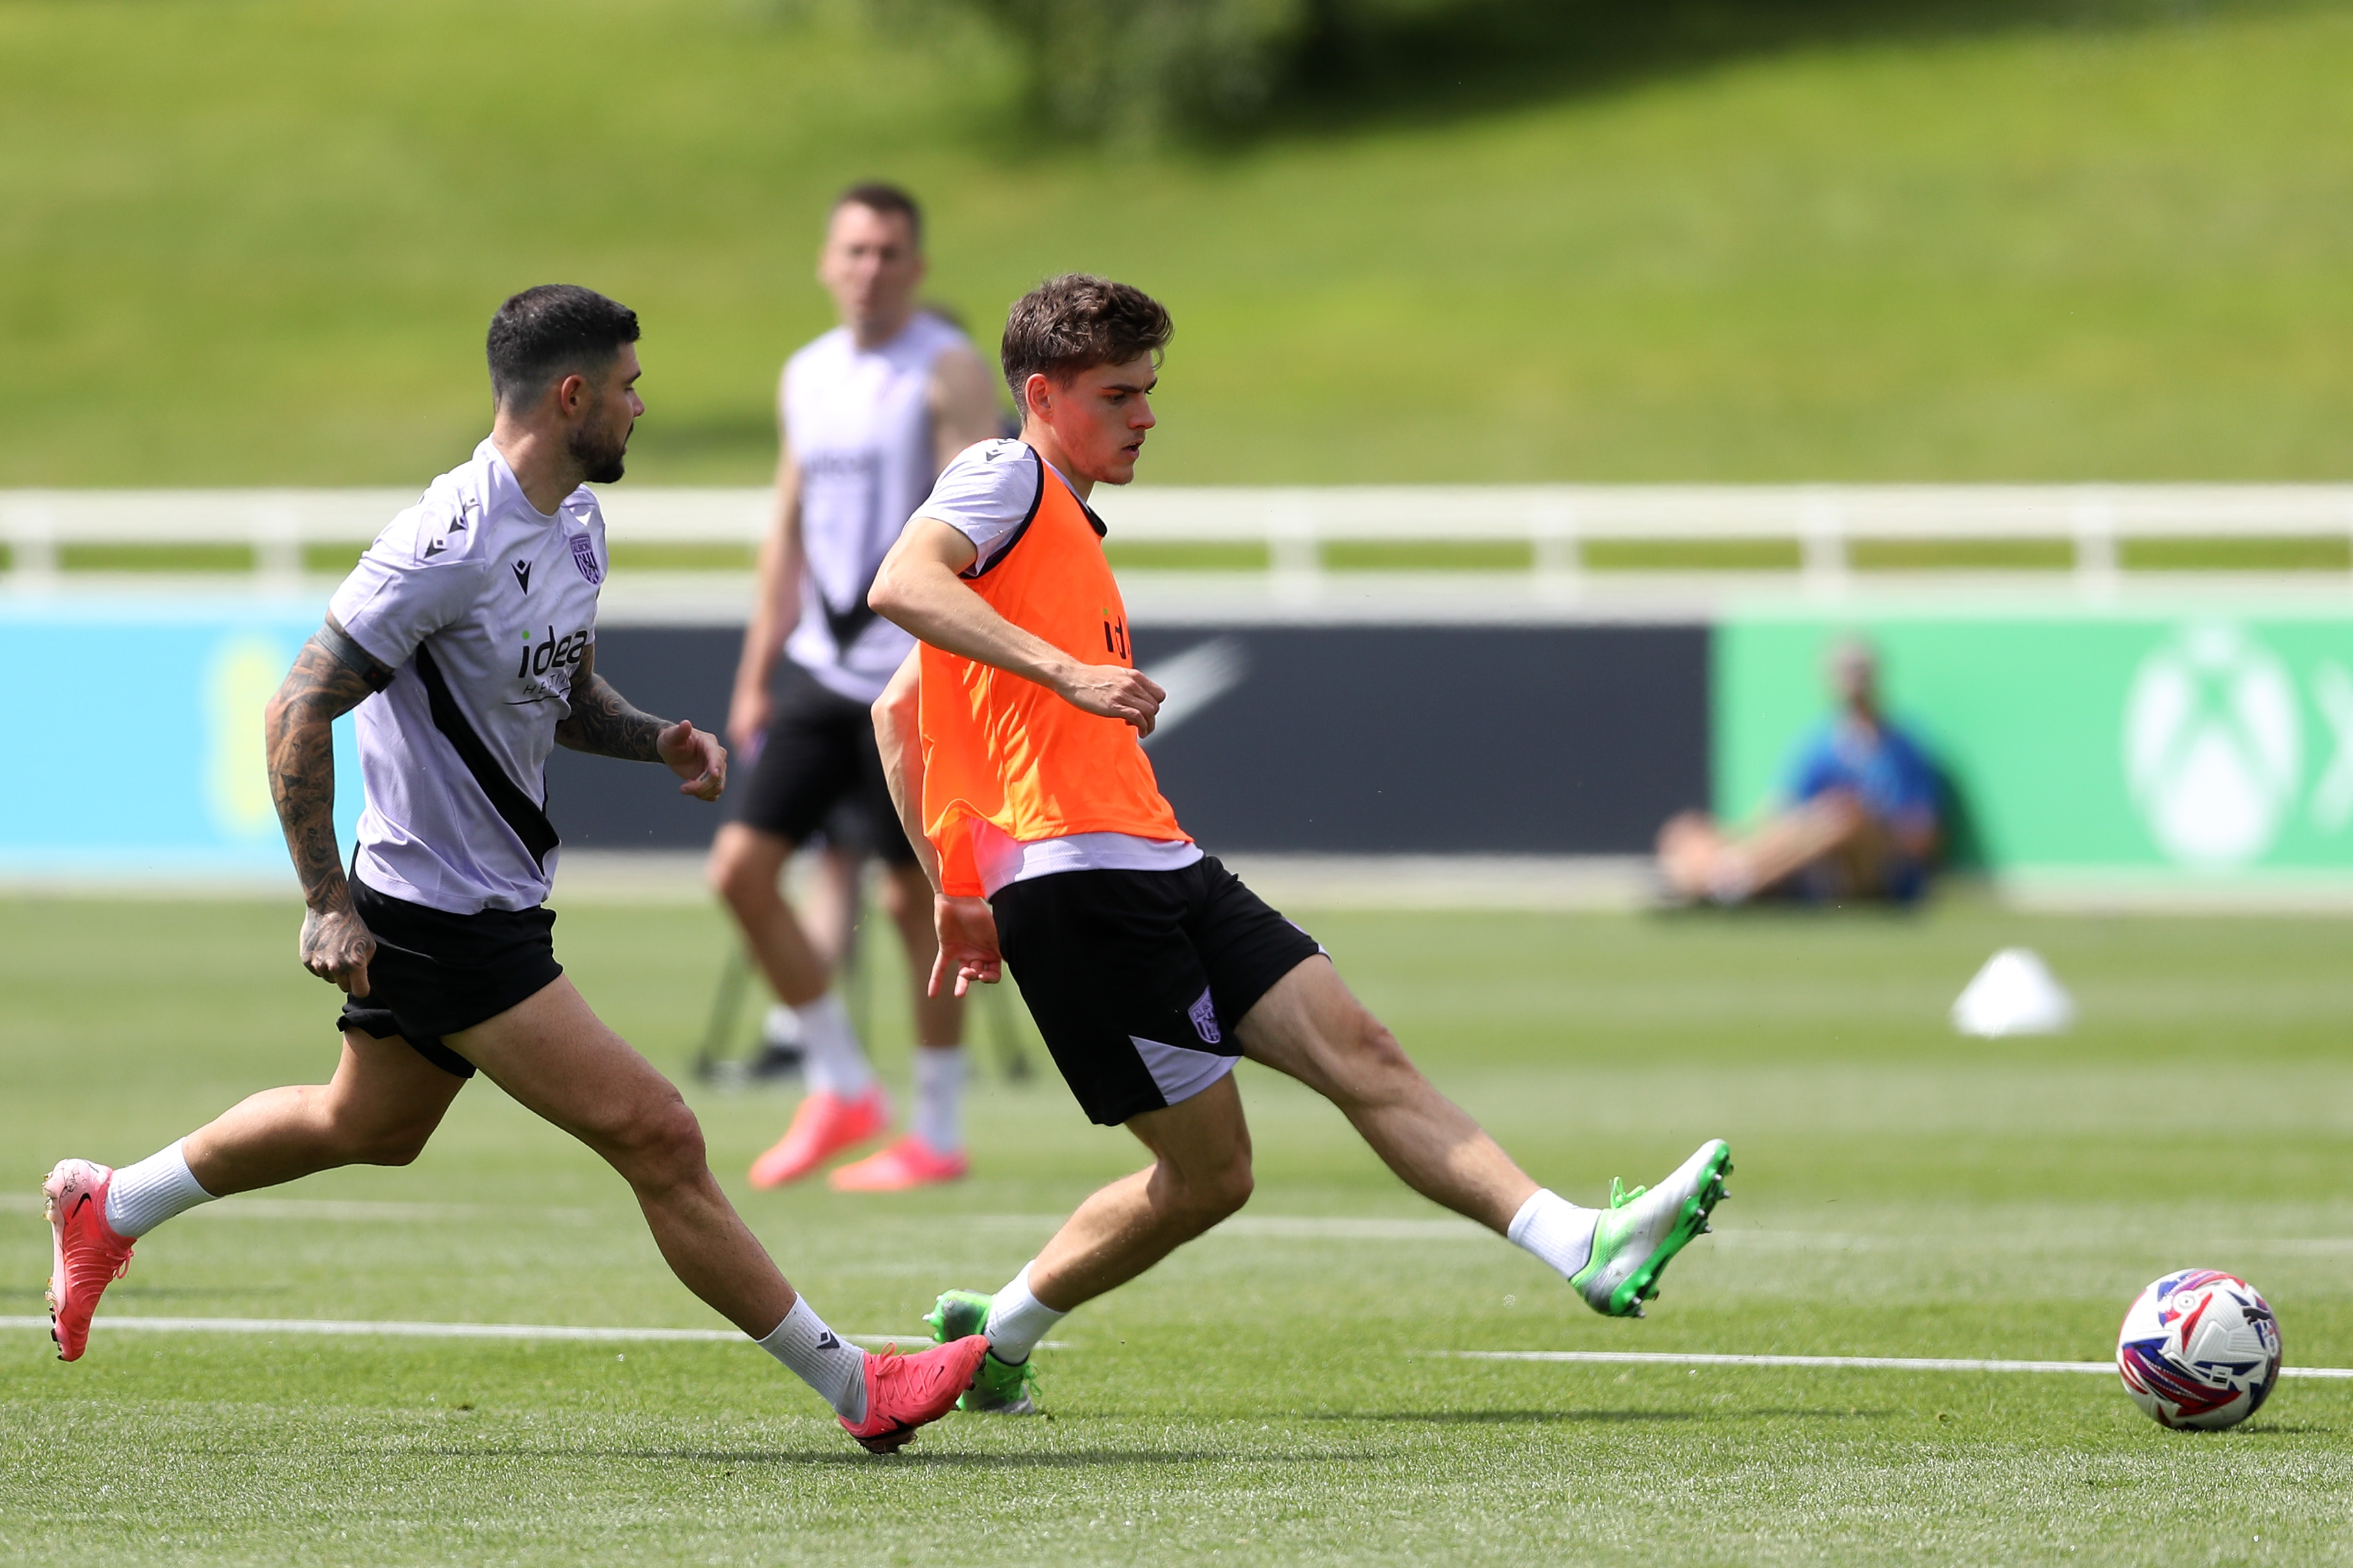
[(1859, 815), (1013, 740), (869, 414), (466, 638)]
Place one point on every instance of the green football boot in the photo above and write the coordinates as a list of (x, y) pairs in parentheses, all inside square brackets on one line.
[(998, 1389), (1640, 1232)]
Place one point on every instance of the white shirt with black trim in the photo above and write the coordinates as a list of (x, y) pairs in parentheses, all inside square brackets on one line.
[(858, 421), (988, 494), (503, 599)]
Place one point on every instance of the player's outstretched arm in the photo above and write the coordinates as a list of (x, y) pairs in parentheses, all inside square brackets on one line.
[(918, 588), (604, 724), (966, 929), (331, 676)]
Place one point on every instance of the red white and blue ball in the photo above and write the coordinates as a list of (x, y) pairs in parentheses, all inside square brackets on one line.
[(2200, 1347)]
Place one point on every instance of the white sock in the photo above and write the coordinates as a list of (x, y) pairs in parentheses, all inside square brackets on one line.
[(144, 1195), (1556, 1230), (938, 1119), (831, 1058), (1017, 1321), (822, 1359)]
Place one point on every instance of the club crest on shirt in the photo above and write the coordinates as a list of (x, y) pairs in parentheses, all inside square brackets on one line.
[(1204, 1014), (584, 556)]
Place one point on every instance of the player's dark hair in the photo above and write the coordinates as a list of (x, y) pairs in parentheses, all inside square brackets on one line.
[(554, 330), (1075, 322), (879, 196)]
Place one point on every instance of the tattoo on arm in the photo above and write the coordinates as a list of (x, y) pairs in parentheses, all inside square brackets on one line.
[(331, 676), (602, 721)]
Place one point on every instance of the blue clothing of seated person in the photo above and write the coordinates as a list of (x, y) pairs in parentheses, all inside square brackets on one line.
[(1884, 770), (1858, 816)]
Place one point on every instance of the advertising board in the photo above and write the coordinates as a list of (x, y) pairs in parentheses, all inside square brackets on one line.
[(140, 747), (2193, 743)]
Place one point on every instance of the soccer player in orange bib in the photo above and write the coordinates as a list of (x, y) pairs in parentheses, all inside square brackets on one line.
[(1011, 738)]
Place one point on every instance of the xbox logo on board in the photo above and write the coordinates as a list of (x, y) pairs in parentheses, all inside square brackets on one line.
[(2213, 748)]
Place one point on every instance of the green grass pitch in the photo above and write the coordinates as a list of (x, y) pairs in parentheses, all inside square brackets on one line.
[(1270, 1395), (256, 241)]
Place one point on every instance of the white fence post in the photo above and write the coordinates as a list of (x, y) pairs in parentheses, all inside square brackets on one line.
[(1821, 543), (2093, 523), (32, 533), (277, 546), (1293, 552), (1558, 558)]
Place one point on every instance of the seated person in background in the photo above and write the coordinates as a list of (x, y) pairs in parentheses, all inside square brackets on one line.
[(1859, 818)]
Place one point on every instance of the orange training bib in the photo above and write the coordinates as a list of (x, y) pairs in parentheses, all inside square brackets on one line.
[(1003, 750)]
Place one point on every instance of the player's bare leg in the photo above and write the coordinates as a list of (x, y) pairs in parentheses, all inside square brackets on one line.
[(1311, 1026), (557, 1059), (746, 869), (826, 904), (845, 1106), (907, 900), (831, 905), (380, 1108), (933, 1150), (383, 1103), (1199, 1175), (1700, 861)]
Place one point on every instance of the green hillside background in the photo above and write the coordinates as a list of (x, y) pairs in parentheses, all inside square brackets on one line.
[(256, 241)]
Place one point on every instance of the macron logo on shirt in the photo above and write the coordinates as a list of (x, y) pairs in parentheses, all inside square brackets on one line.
[(457, 525), (523, 575)]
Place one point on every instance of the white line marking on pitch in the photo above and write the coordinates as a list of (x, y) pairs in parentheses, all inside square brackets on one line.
[(329, 1326), (1866, 1362), (1242, 1227), (349, 1210), (353, 1327)]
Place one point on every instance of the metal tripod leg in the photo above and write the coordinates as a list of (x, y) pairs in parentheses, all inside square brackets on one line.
[(726, 1006), (1004, 1031)]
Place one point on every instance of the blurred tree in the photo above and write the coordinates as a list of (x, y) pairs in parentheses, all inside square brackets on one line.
[(1136, 69), (1143, 70)]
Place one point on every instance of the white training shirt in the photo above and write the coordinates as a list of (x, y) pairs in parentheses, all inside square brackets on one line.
[(988, 494), (504, 601), (860, 426)]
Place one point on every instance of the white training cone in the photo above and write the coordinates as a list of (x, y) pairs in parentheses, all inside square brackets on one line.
[(2014, 993)]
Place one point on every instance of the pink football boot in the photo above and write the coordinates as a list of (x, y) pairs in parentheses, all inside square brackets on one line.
[(85, 1255), (823, 1127), (909, 1163), (905, 1391)]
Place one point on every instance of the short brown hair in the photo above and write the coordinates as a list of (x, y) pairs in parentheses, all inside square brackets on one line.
[(876, 195), (1073, 323)]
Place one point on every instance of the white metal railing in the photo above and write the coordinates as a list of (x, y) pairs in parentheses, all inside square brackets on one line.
[(1294, 525)]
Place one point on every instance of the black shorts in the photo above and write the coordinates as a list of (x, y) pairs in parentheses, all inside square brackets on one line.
[(819, 771), (434, 972), (1137, 978)]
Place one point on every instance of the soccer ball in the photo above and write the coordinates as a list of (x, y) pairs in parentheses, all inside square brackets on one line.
[(2199, 1348)]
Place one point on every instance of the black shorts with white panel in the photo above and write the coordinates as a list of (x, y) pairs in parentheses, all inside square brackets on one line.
[(1137, 979)]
